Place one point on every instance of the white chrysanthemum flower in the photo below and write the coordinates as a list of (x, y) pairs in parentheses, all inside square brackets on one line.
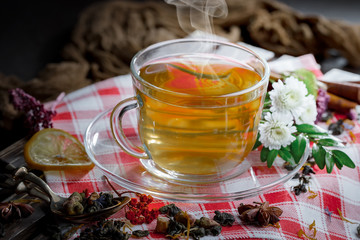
[(310, 113), (276, 131), (289, 98)]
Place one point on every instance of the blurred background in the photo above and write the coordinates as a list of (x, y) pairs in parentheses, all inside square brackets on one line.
[(33, 33)]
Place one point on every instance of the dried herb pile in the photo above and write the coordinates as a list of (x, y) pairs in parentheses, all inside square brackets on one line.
[(79, 203), (176, 223), (105, 230)]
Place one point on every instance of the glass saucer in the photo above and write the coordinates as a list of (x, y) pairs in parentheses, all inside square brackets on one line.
[(129, 173)]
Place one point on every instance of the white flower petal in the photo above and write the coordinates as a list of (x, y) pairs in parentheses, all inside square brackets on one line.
[(310, 113), (288, 98), (276, 131)]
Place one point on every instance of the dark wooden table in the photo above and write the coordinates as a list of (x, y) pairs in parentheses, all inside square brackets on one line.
[(35, 226)]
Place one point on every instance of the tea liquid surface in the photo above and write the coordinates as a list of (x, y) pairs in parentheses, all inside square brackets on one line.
[(183, 136)]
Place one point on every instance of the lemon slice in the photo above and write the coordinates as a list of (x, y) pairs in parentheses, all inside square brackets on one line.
[(55, 149)]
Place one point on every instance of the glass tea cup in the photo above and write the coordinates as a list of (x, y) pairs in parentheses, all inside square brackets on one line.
[(198, 105)]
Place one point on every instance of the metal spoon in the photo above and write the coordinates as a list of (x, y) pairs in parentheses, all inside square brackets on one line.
[(43, 191)]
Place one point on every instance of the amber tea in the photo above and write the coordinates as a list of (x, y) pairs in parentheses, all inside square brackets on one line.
[(187, 128), (198, 104)]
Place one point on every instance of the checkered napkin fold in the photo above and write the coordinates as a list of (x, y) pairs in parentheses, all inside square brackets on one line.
[(339, 190)]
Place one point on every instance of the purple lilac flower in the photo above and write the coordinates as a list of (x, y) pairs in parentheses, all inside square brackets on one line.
[(36, 116), (322, 101)]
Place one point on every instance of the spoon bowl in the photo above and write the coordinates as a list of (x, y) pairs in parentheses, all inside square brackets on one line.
[(43, 191), (94, 216)]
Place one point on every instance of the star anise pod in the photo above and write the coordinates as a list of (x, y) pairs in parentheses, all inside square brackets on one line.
[(260, 214), (15, 210)]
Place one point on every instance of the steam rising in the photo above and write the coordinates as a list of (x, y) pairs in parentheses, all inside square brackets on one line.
[(198, 14)]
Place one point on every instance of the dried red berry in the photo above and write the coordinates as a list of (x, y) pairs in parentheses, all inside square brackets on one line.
[(145, 211), (141, 205), (130, 215), (150, 199), (143, 198), (154, 213), (133, 202), (149, 219), (139, 212)]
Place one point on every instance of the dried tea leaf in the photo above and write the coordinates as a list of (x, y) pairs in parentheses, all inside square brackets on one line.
[(225, 219), (140, 233)]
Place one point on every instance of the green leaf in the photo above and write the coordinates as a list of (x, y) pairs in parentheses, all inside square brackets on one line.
[(271, 157), (323, 136), (343, 158), (329, 161), (309, 78), (298, 147), (264, 154), (338, 163), (318, 153), (286, 155), (257, 142), (310, 129), (329, 142)]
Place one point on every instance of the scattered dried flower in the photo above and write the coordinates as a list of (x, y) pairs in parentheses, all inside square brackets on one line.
[(313, 194), (304, 179), (343, 218), (259, 214), (15, 210), (328, 212), (307, 170), (352, 136), (336, 128), (301, 232)]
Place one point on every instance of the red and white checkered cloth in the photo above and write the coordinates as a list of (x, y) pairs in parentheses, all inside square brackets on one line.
[(338, 190)]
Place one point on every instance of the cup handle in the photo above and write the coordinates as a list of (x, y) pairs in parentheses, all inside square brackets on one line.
[(117, 129)]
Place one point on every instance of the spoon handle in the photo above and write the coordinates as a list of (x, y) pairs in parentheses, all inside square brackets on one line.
[(25, 175), (33, 191)]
